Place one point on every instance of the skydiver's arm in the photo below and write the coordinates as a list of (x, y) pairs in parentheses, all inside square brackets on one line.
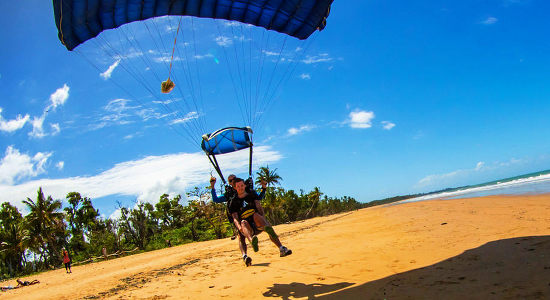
[(236, 221), (217, 199), (259, 207)]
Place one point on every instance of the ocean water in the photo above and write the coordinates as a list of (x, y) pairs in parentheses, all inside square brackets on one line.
[(533, 183)]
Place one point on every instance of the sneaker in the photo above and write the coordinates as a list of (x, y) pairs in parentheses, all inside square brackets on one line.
[(255, 244), (285, 251), (247, 260), (234, 237)]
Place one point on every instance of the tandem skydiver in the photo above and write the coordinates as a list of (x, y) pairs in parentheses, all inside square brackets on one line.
[(229, 195), (245, 210)]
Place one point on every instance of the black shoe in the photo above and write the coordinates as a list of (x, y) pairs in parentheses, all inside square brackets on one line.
[(285, 251), (247, 260)]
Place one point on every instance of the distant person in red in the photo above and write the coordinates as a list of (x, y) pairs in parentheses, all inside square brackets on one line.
[(67, 261)]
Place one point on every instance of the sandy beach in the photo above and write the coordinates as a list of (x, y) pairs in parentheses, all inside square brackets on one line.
[(494, 247)]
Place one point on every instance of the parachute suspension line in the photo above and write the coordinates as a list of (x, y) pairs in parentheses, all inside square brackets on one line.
[(138, 77), (251, 38), (250, 161), (274, 71), (200, 127), (214, 163), (297, 59), (180, 115), (190, 126), (247, 79), (148, 63), (259, 78), (201, 99), (187, 119), (174, 47), (230, 72), (246, 113), (129, 71)]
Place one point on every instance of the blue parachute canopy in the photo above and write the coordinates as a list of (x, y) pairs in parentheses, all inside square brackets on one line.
[(80, 20), (227, 140)]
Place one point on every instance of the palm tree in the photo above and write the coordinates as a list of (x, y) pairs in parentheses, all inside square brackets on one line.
[(45, 225), (269, 176), (13, 237)]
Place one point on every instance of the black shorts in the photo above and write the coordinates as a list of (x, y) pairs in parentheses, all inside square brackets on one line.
[(252, 223)]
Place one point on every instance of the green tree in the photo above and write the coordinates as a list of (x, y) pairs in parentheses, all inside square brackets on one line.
[(313, 198), (46, 228), (269, 176), (170, 212), (139, 224), (14, 239), (82, 218)]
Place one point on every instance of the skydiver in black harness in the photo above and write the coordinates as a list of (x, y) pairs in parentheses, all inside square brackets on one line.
[(229, 195), (247, 213)]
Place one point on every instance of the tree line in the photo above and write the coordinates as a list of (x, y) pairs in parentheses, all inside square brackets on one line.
[(34, 242)]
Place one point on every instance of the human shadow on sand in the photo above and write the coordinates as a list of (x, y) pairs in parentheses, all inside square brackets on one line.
[(517, 268), (300, 290), (261, 265)]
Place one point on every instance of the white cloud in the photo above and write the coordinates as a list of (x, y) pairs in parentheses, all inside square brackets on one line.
[(270, 53), (479, 165), (59, 97), (13, 125), (305, 76), (451, 177), (15, 165), (60, 165), (388, 125), (37, 127), (107, 74), (146, 178), (360, 119), (166, 58), (223, 41), (439, 178), (55, 128), (489, 21), (304, 128), (188, 117), (324, 57), (131, 53), (208, 55)]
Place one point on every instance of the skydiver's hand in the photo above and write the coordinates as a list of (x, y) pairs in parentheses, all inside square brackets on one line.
[(212, 182), (263, 183)]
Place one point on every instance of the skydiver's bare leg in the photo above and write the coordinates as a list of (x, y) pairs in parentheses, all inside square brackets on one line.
[(247, 230), (242, 243), (263, 224)]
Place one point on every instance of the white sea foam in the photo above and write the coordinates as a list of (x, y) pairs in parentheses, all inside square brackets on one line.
[(508, 187)]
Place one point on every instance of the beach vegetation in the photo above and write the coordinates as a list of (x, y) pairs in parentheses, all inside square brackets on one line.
[(33, 243)]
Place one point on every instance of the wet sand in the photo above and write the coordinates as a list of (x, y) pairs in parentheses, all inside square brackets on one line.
[(495, 247)]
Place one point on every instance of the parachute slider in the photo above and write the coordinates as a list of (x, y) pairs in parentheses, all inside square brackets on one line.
[(167, 86)]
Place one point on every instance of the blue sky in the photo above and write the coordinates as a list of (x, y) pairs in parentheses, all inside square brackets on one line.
[(392, 98)]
